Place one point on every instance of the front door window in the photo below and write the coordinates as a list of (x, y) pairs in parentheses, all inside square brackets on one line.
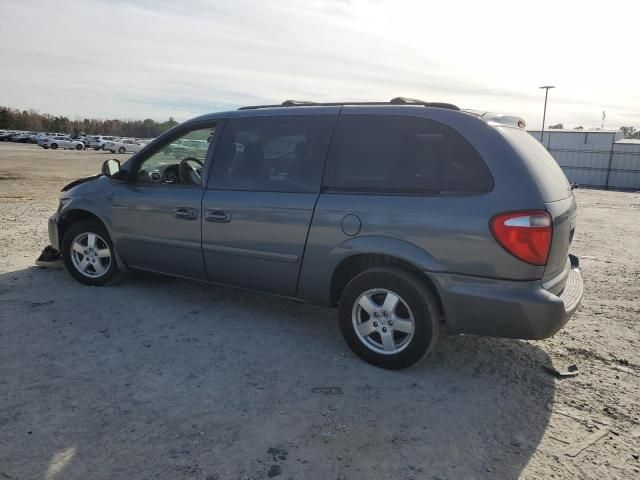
[(178, 162)]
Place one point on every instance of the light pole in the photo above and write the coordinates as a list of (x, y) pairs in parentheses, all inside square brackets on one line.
[(544, 114)]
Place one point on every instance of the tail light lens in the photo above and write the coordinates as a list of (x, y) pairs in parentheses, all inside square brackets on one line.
[(525, 235)]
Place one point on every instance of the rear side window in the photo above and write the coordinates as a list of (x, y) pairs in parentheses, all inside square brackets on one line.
[(548, 175), (272, 154), (395, 154)]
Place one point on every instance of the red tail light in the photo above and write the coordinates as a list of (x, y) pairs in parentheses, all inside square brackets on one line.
[(525, 235)]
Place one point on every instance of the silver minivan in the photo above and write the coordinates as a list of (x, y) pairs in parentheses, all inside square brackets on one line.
[(412, 218)]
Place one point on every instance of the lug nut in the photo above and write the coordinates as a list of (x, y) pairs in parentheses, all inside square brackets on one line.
[(376, 314), (390, 322), (385, 313), (384, 329), (375, 324)]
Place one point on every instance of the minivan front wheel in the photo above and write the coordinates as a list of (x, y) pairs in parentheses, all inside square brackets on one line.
[(88, 254), (388, 317)]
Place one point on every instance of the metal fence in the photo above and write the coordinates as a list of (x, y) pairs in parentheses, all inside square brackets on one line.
[(598, 159)]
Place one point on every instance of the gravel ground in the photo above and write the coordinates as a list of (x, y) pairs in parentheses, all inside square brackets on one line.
[(163, 378)]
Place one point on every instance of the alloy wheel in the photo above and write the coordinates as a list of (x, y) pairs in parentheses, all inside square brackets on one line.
[(383, 321), (90, 255)]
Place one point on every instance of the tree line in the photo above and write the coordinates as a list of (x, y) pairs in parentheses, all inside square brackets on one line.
[(32, 120), (631, 132)]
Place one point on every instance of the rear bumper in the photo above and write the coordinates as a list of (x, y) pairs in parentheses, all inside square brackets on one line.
[(505, 308), (53, 231)]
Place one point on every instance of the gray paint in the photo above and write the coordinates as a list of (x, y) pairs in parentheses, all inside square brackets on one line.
[(261, 248), (291, 243), (150, 236)]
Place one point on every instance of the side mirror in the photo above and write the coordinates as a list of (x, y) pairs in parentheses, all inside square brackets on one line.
[(110, 168)]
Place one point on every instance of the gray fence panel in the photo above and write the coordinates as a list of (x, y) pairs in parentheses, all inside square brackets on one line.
[(624, 180), (567, 158), (626, 156), (594, 159), (621, 161), (586, 176)]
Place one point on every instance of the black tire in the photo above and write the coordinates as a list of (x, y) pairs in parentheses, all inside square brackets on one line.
[(414, 293), (121, 150), (96, 148), (79, 147), (77, 229), (54, 146)]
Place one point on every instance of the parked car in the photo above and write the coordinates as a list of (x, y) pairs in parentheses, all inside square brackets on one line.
[(9, 135), (97, 142), (22, 137), (61, 141), (183, 148), (411, 217), (123, 145), (33, 137)]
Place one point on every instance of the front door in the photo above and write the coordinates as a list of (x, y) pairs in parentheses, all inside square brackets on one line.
[(262, 190), (157, 214)]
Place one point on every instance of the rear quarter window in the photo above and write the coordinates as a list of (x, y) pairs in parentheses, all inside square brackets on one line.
[(410, 155), (549, 177)]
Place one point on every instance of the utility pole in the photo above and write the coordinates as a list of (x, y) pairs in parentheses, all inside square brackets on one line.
[(544, 114)]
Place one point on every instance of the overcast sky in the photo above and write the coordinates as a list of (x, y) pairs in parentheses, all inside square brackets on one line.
[(160, 58)]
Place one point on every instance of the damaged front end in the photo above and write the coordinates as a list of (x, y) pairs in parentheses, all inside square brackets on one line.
[(69, 186)]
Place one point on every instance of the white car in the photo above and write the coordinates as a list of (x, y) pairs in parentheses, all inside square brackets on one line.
[(97, 142), (124, 145), (61, 141)]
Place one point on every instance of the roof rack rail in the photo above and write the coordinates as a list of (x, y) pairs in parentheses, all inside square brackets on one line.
[(393, 101), (415, 101), (297, 103)]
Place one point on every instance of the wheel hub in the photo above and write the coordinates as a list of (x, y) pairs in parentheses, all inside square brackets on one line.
[(383, 321)]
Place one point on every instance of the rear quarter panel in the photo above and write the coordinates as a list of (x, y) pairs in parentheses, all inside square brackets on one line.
[(452, 231)]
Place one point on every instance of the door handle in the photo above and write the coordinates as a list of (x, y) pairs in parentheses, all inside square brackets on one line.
[(217, 216), (185, 213)]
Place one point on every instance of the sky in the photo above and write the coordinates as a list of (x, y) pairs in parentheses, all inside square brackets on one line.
[(136, 59)]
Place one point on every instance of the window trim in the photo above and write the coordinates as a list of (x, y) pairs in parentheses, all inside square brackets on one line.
[(390, 192), (408, 192), (157, 145)]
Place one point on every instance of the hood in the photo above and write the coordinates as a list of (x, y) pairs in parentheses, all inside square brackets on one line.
[(79, 181)]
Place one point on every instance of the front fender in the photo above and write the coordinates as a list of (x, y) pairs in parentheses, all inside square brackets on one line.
[(101, 210)]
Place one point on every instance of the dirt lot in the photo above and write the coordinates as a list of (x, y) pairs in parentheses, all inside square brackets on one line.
[(163, 378)]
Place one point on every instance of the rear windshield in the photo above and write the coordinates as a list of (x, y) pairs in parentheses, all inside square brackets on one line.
[(548, 175), (403, 155)]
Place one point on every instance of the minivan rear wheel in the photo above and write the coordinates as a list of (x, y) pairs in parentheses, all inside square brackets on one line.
[(388, 317), (88, 254)]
